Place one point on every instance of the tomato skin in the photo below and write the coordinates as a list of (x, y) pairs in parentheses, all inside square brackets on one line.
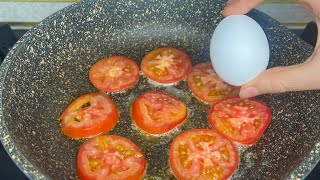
[(114, 74), (246, 122), (158, 112), (166, 65), (99, 117), (206, 85), (194, 153), (112, 157)]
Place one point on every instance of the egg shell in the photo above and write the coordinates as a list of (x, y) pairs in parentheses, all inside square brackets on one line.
[(239, 49)]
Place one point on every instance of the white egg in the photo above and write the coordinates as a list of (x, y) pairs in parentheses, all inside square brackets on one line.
[(239, 49)]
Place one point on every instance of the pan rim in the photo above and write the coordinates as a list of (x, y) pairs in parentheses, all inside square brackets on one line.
[(32, 172)]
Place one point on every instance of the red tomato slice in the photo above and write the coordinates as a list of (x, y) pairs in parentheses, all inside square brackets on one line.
[(158, 112), (110, 157), (89, 115), (166, 65), (242, 120), (115, 73), (207, 85), (203, 154)]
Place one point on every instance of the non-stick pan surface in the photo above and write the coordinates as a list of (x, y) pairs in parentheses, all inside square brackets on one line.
[(48, 69)]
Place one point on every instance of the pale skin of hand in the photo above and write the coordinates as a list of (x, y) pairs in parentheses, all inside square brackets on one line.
[(300, 77)]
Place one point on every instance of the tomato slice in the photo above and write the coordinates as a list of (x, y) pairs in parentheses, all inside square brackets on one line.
[(207, 85), (166, 65), (110, 157), (242, 120), (115, 73), (158, 112), (203, 154), (89, 115)]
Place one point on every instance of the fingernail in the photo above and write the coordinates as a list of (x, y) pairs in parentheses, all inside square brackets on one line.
[(248, 92)]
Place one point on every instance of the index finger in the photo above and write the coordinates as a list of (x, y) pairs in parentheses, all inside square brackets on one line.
[(234, 7)]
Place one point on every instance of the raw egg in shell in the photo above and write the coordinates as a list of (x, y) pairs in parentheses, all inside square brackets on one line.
[(239, 49)]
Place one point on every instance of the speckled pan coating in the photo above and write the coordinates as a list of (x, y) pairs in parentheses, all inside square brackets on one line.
[(48, 69)]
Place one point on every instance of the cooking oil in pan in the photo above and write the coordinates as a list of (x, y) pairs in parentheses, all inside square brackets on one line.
[(156, 147)]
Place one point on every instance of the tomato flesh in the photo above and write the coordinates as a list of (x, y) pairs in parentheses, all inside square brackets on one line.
[(166, 65), (110, 157), (115, 73), (89, 115), (243, 120), (203, 154), (207, 85), (158, 112)]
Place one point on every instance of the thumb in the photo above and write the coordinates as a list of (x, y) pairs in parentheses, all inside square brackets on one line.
[(313, 6), (239, 6), (283, 79)]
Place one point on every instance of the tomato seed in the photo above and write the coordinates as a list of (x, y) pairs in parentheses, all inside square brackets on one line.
[(95, 164)]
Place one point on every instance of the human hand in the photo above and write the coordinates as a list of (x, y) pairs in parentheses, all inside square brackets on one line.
[(239, 6), (304, 76)]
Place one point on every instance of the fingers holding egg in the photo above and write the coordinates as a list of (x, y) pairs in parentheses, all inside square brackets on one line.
[(239, 49)]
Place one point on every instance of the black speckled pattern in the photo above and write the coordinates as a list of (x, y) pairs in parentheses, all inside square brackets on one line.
[(48, 69)]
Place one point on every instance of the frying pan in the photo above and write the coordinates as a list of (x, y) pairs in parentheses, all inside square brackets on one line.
[(48, 68)]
